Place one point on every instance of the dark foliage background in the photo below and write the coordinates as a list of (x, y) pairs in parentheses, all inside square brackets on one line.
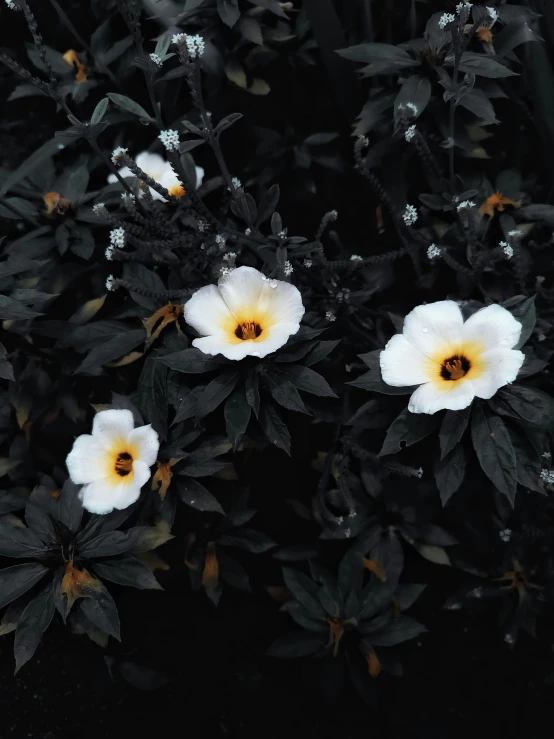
[(205, 654)]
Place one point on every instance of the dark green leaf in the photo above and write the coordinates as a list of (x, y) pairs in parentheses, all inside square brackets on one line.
[(450, 472), (70, 507), (129, 105), (127, 571), (216, 391), (307, 380), (494, 450), (16, 580), (304, 590), (252, 391), (99, 111), (248, 539), (117, 346), (484, 66), (274, 427), (524, 403), (191, 361), (237, 415), (19, 541), (34, 621), (407, 429), (6, 369), (284, 392), (106, 545), (195, 495), (151, 395), (101, 610), (452, 429), (13, 310)]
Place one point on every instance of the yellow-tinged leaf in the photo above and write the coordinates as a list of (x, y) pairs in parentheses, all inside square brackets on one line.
[(373, 664), (154, 536), (235, 73), (153, 561), (88, 310), (168, 314), (71, 58), (278, 593), (375, 567), (259, 87), (127, 359), (478, 133), (226, 473), (210, 573), (55, 204), (22, 407), (78, 583), (101, 406), (479, 153), (434, 554), (163, 476), (7, 464)]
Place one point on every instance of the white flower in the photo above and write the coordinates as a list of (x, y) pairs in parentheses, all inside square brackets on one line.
[(110, 283), (11, 5), (170, 139), (413, 107), (505, 534), (507, 249), (245, 315), (330, 316), (236, 183), (546, 455), (515, 234), (195, 46), (445, 19), (158, 169), (114, 462), (109, 253), (178, 38), (343, 295), (509, 639), (541, 337), (220, 240), (452, 361), (247, 231), (127, 196), (307, 263), (283, 233), (355, 258), (463, 6), (117, 237), (410, 133), (288, 269), (156, 59), (465, 204), (98, 207), (547, 476), (116, 153), (410, 215), (433, 251), (493, 14), (420, 472)]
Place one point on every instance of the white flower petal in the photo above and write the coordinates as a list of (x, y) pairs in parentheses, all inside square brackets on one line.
[(218, 344), (111, 425), (153, 164), (493, 326), (402, 364), (501, 368), (284, 303), (429, 399), (96, 497), (147, 443), (428, 327), (124, 172), (207, 312), (86, 461), (199, 176), (241, 290)]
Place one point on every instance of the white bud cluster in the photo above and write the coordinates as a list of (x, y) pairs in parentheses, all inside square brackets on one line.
[(170, 139)]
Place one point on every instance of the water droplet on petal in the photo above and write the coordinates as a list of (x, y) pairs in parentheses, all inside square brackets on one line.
[(425, 330), (273, 283)]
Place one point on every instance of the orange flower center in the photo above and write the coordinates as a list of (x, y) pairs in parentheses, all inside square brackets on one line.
[(455, 368)]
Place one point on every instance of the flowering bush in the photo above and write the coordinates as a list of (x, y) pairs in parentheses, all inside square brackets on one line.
[(303, 347)]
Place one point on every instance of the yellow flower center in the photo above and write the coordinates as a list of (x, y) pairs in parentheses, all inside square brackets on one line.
[(177, 191), (123, 464), (248, 331)]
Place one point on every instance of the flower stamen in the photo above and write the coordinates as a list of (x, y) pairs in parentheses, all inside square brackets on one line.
[(248, 331), (123, 464), (454, 368)]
